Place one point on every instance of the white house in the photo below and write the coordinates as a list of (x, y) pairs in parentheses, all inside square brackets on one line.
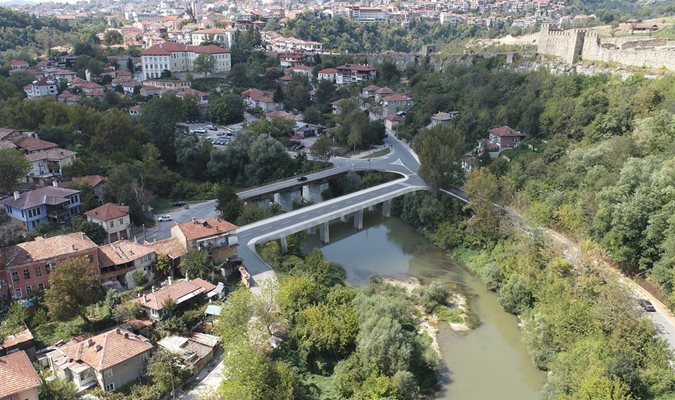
[(41, 88), (114, 219), (176, 57), (328, 74), (224, 37)]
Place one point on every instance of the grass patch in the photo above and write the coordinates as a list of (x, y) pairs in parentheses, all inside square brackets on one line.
[(160, 205), (379, 153), (447, 314)]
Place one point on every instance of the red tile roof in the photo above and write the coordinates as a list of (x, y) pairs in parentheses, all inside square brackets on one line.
[(205, 228), (18, 338), (505, 131), (47, 195), (166, 48), (92, 180), (122, 252), (45, 249), (29, 144), (397, 97), (328, 71), (17, 374), (107, 349), (356, 67), (108, 211), (178, 292)]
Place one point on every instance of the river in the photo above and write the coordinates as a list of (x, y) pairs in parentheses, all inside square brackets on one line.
[(490, 362)]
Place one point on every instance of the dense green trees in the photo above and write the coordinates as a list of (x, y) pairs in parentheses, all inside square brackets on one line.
[(226, 109), (14, 167), (73, 285), (440, 150)]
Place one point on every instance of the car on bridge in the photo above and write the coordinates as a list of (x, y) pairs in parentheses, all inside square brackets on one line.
[(302, 178)]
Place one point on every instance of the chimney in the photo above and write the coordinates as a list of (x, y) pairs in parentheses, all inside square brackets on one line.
[(170, 281), (55, 183), (98, 347), (89, 342), (126, 335), (153, 289), (16, 195), (118, 331), (145, 298), (194, 220), (84, 236)]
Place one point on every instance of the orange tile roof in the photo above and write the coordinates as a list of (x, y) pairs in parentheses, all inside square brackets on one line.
[(32, 144), (208, 286), (108, 211), (17, 374), (171, 247), (107, 349), (45, 248), (122, 252), (176, 292), (21, 337), (199, 229), (92, 180)]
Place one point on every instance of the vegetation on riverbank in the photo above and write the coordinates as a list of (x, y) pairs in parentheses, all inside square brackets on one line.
[(581, 327)]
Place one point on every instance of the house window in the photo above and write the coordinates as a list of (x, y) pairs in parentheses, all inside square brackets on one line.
[(38, 270), (90, 258), (41, 286), (17, 293), (108, 373), (120, 221), (48, 268), (15, 276), (112, 224), (29, 290), (26, 274), (110, 387)]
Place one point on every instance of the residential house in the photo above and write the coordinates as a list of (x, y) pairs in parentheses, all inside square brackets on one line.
[(328, 74), (304, 129), (46, 165), (176, 57), (178, 292), (368, 92), (201, 97), (97, 182), (171, 247), (26, 266), (302, 70), (392, 122), (22, 341), (195, 351), (396, 104), (275, 42), (109, 360), (136, 110), (18, 65), (255, 98), (214, 235), (119, 260), (381, 93), (292, 59), (442, 118), (337, 106), (69, 98), (222, 37), (114, 219), (88, 88), (49, 205), (505, 137), (354, 73), (42, 87), (20, 381)]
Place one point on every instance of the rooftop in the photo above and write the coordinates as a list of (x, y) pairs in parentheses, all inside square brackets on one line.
[(166, 48), (505, 131), (31, 144), (122, 252), (45, 248), (179, 292), (108, 211), (17, 374), (105, 350), (49, 195), (198, 229)]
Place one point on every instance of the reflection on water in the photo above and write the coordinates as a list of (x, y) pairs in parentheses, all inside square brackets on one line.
[(490, 362)]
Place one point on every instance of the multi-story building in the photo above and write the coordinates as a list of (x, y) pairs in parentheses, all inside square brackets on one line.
[(109, 360), (223, 37), (328, 74), (213, 235), (48, 164), (19, 65), (396, 103), (366, 14), (176, 57), (27, 265), (354, 73), (281, 44), (119, 260), (114, 219), (42, 87), (255, 98), (48, 205)]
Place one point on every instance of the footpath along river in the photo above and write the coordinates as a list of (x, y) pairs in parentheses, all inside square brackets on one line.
[(490, 362)]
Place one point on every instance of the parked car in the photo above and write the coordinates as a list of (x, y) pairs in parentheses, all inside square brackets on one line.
[(211, 127), (179, 203), (646, 305), (163, 218)]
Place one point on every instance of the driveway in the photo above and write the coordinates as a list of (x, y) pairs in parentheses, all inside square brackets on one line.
[(162, 230)]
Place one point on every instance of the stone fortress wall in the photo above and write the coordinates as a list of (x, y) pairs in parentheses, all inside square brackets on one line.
[(572, 46)]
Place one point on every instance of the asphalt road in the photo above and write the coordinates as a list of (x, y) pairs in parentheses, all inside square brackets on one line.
[(162, 230)]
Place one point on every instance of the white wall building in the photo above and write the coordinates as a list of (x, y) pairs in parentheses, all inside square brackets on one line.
[(224, 37), (366, 14), (177, 57), (41, 88)]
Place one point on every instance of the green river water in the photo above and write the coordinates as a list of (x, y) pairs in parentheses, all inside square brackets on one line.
[(490, 362)]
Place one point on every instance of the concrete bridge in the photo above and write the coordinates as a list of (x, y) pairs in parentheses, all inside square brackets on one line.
[(318, 217)]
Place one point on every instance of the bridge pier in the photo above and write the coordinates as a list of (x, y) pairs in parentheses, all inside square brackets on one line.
[(283, 245), (358, 220), (324, 232), (264, 203), (285, 200), (371, 207), (311, 231), (386, 209), (312, 192), (343, 218)]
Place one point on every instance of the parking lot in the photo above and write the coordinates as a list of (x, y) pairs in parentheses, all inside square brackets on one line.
[(219, 135)]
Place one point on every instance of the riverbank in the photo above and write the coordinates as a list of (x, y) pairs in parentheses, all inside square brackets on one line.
[(453, 311)]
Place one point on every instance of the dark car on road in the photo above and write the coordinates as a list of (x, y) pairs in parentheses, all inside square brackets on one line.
[(302, 179), (646, 305)]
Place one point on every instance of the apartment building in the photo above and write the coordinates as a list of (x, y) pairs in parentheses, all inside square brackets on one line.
[(48, 205), (354, 73), (223, 37), (366, 14), (213, 235), (176, 57)]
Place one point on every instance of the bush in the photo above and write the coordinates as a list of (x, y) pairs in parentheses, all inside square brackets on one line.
[(515, 296), (428, 297)]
